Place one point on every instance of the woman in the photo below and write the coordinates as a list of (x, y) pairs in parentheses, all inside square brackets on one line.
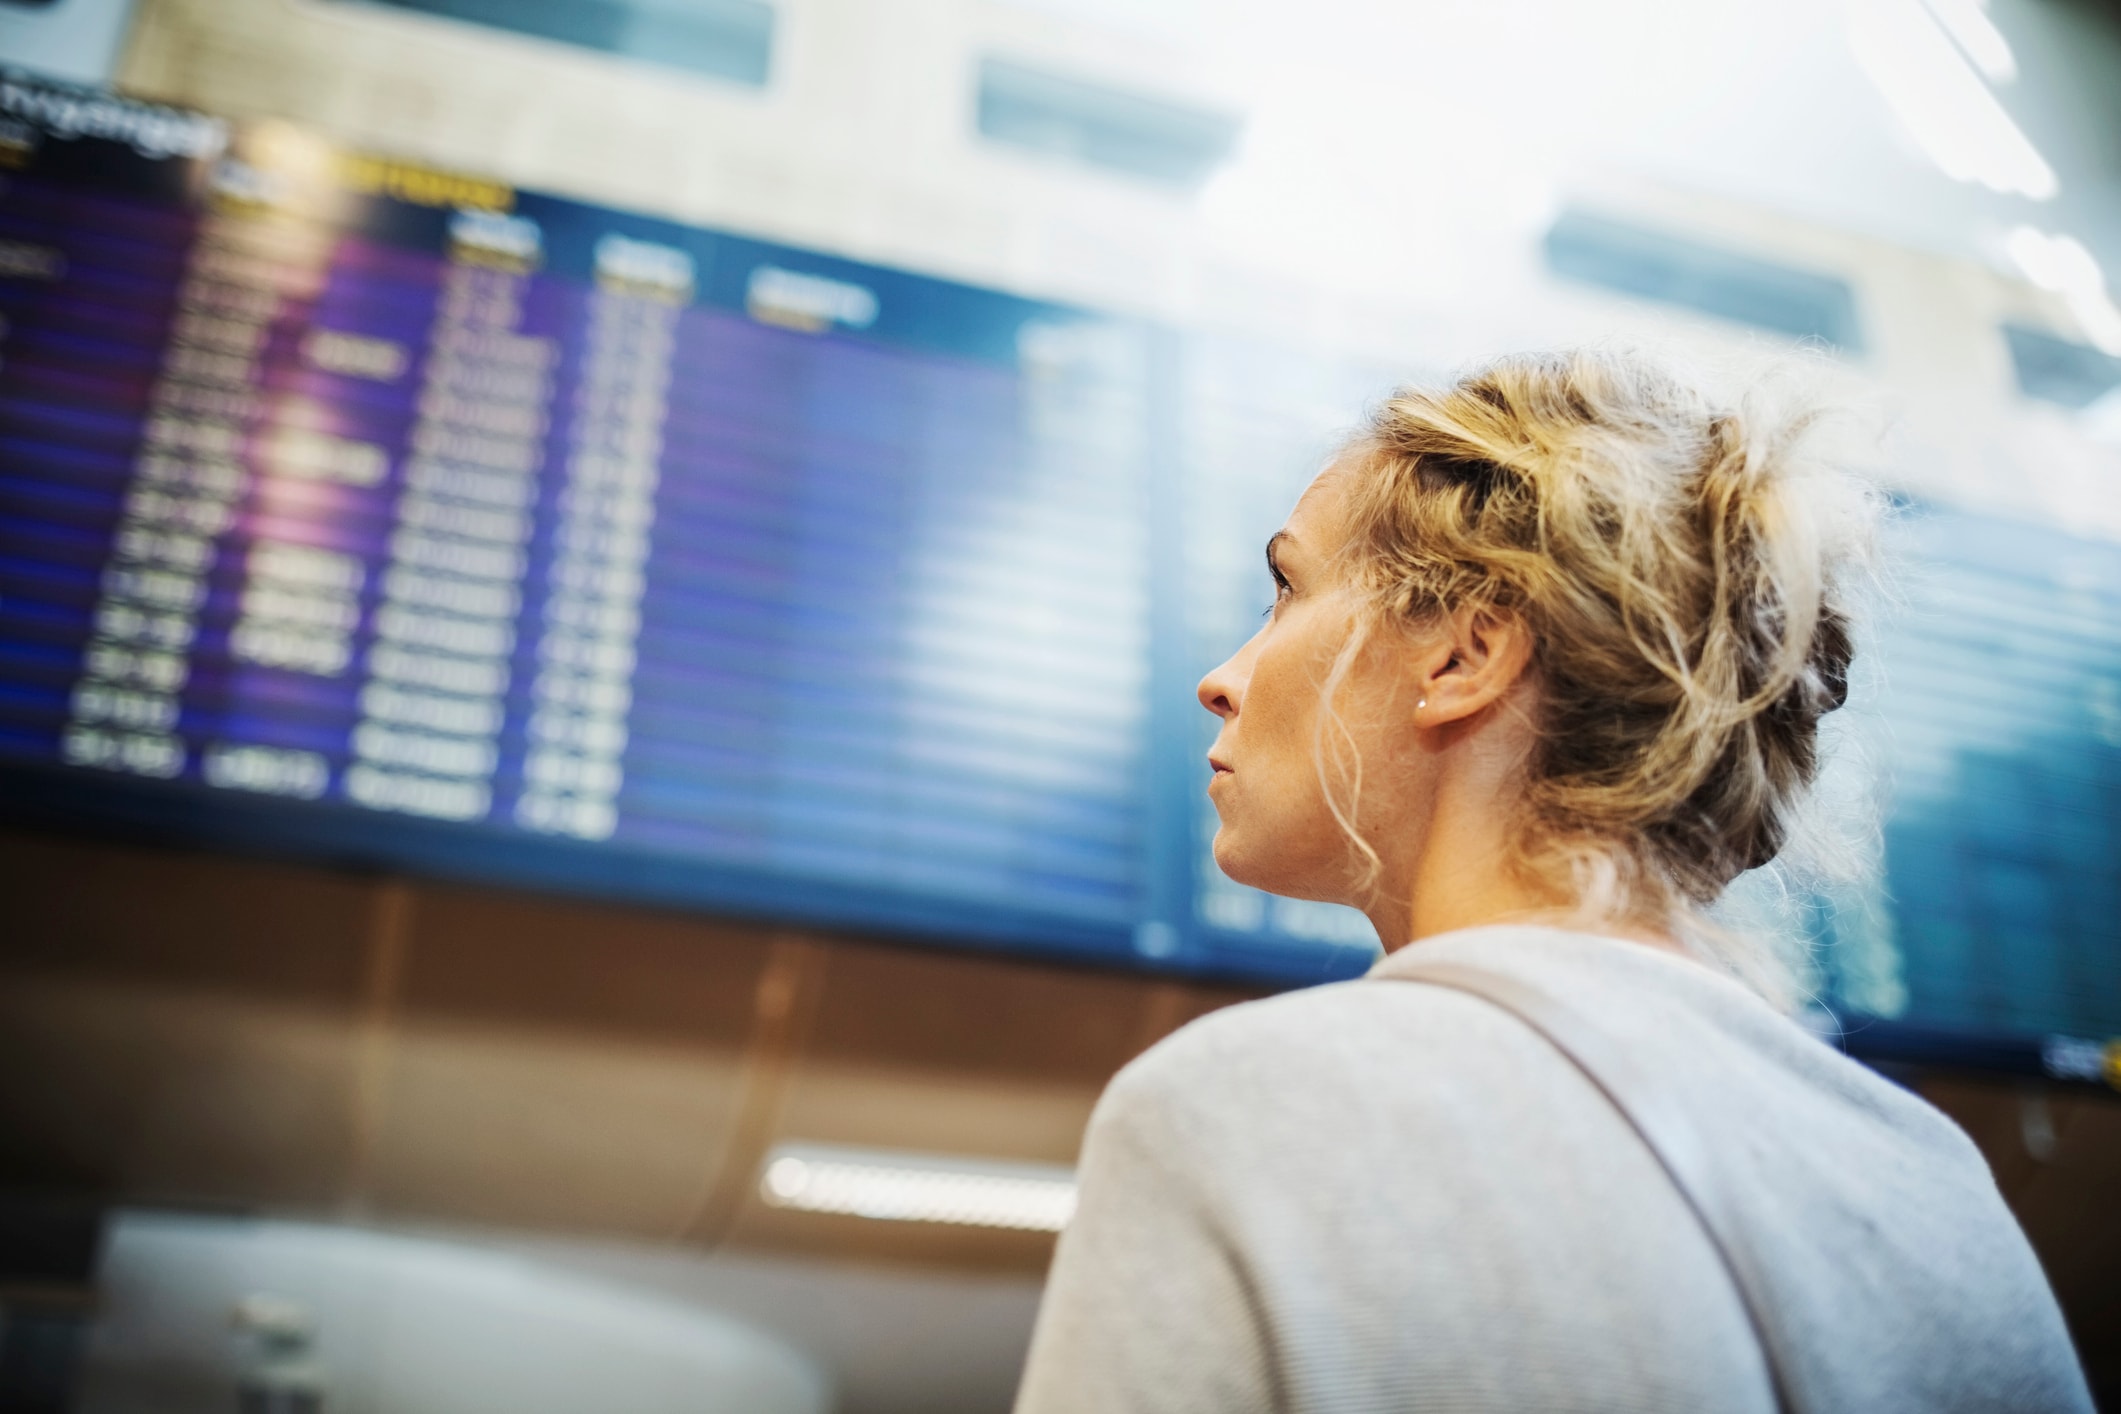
[(1544, 673)]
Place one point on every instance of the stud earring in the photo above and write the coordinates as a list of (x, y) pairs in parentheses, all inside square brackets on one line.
[(1421, 704)]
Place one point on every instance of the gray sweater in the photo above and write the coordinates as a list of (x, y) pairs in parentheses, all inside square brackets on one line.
[(1384, 1196)]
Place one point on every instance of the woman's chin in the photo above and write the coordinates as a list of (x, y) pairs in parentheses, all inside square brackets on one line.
[(1265, 869), (1231, 857)]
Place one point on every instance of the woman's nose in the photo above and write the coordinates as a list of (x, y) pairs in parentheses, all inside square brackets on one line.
[(1223, 690), (1218, 691)]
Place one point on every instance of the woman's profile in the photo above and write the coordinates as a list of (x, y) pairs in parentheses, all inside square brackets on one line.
[(1544, 673)]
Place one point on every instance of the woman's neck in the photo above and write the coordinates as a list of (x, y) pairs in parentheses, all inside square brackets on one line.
[(1450, 868), (1460, 880), (1455, 867)]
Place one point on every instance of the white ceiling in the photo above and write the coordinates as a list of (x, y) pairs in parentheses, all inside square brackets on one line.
[(1466, 121)]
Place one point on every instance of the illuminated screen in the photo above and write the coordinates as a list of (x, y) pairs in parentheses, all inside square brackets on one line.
[(1998, 723), (478, 529), (364, 513)]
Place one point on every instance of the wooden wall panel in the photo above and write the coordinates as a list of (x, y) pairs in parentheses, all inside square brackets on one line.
[(184, 920), (544, 1063), (177, 1027), (190, 1028)]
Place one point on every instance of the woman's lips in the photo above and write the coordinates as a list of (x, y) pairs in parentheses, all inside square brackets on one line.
[(1221, 767)]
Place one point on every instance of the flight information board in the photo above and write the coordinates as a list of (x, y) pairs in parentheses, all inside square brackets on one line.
[(361, 512), (1996, 711), (425, 503)]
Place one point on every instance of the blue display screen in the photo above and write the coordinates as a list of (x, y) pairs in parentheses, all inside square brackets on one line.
[(1997, 692), (475, 528), (359, 512)]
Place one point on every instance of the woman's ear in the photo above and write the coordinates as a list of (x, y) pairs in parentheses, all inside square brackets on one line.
[(1476, 659)]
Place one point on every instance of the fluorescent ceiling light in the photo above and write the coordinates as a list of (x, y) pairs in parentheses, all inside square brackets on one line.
[(894, 1186), (1944, 103), (2062, 264)]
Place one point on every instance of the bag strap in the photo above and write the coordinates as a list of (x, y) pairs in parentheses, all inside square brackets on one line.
[(1650, 1108)]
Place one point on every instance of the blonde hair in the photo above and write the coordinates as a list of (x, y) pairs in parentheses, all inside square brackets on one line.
[(1686, 570)]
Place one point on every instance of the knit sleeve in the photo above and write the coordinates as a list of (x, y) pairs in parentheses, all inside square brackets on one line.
[(1149, 1305)]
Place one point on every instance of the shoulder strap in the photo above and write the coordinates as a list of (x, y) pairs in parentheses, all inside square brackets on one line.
[(1650, 1109)]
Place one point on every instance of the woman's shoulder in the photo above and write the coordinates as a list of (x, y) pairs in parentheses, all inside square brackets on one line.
[(1314, 1025), (1451, 1067), (1324, 1059), (1384, 1027)]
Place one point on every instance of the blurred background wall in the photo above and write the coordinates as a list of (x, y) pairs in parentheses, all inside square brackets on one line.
[(333, 1123)]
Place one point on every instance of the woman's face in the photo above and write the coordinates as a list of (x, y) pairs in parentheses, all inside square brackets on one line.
[(1277, 829)]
